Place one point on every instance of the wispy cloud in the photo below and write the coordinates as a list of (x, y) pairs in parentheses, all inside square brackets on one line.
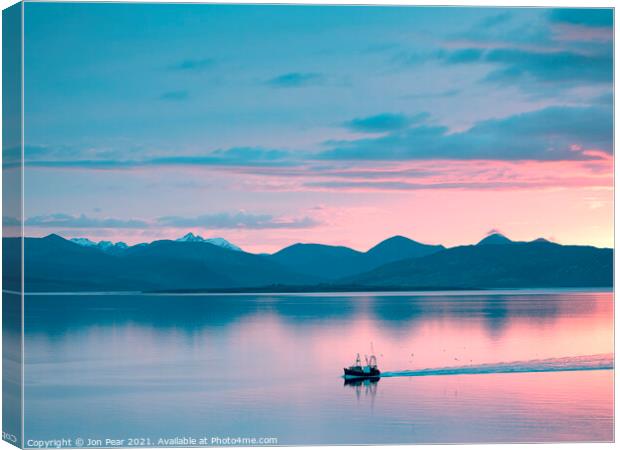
[(384, 122), (494, 231), (520, 182), (296, 79), (464, 55), (235, 156), (554, 133), (224, 220), (365, 186), (562, 49), (549, 134), (438, 94), (560, 66), (194, 65), (556, 66), (239, 220), (82, 221), (9, 221), (590, 17)]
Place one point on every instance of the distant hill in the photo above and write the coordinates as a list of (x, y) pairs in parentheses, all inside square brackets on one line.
[(399, 247), (323, 261), (495, 239), (498, 263), (55, 264), (332, 262), (11, 264)]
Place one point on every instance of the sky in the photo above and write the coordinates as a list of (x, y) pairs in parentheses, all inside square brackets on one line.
[(271, 125)]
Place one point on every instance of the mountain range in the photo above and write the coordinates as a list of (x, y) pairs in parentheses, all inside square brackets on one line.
[(119, 247), (193, 263)]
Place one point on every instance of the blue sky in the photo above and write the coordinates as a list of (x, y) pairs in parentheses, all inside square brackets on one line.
[(275, 124)]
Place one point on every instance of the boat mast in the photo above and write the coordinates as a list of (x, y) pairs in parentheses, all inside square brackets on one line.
[(373, 359)]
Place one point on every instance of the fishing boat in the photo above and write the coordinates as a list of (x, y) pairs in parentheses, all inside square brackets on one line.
[(357, 370)]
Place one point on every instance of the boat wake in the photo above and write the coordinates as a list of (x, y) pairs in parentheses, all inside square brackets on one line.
[(565, 364)]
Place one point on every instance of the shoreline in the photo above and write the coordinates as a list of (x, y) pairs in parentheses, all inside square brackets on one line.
[(370, 291)]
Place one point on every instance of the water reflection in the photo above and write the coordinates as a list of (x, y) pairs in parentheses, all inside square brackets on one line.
[(397, 313), (269, 365), (366, 387), (12, 366)]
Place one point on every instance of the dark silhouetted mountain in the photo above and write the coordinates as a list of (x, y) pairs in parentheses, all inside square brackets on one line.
[(196, 264), (400, 247), (333, 262), (323, 261), (495, 239), (520, 264), (12, 264), (56, 264)]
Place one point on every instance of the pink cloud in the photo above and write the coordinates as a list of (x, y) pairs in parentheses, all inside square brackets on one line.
[(580, 33)]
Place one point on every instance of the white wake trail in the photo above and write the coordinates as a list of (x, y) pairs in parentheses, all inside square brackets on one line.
[(569, 363)]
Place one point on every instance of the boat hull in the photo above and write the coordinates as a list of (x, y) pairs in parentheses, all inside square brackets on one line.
[(358, 381), (359, 373)]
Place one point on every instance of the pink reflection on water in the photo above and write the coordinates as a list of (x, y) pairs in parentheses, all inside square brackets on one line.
[(530, 407), (417, 336), (276, 362)]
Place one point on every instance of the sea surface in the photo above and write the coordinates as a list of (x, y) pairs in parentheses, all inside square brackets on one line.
[(486, 366)]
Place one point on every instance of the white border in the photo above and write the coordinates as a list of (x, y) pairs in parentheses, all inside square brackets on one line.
[(479, 3)]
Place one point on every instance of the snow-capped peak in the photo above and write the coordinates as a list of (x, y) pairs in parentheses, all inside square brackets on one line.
[(191, 237), (103, 245), (220, 242), (84, 242)]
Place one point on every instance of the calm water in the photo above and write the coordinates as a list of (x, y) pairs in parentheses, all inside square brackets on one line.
[(122, 366)]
